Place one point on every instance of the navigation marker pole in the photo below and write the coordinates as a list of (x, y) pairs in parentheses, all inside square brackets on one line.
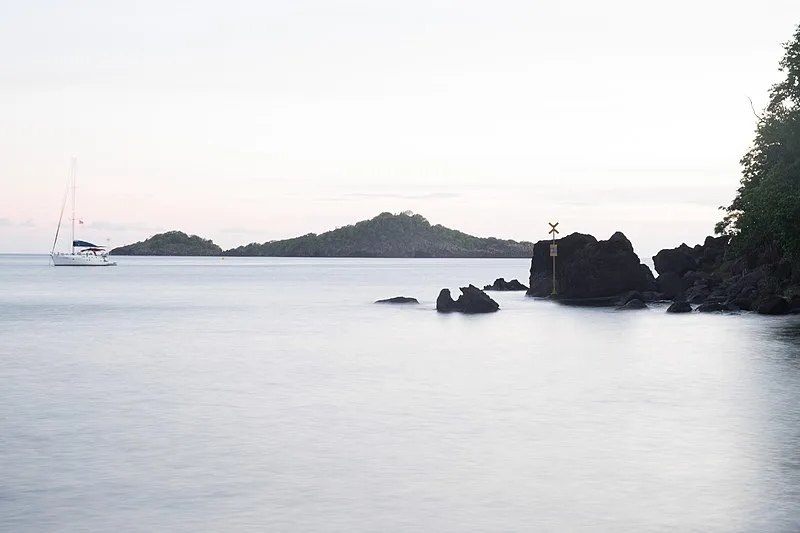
[(553, 253)]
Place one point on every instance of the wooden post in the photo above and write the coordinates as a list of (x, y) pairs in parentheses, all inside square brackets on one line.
[(553, 253)]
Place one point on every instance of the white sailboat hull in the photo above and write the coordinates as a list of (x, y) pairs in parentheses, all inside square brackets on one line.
[(89, 255), (81, 260)]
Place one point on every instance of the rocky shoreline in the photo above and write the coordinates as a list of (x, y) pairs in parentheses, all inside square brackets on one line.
[(707, 276)]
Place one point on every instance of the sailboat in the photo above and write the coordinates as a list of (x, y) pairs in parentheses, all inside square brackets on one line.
[(83, 253)]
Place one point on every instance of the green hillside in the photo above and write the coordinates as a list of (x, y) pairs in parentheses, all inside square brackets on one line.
[(388, 235), (171, 243)]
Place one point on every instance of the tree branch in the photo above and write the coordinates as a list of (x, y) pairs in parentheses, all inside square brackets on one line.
[(752, 107)]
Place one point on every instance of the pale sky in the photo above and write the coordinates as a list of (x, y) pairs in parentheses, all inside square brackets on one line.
[(251, 120)]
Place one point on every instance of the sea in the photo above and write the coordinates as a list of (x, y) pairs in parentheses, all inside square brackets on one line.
[(273, 395)]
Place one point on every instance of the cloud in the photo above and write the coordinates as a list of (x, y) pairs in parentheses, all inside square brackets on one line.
[(113, 226), (7, 222), (406, 196)]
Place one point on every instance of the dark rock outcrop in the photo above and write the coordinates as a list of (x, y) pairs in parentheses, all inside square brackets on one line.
[(773, 305), (683, 259), (697, 295), (631, 295), (678, 260), (541, 277), (589, 269), (500, 284), (472, 300), (634, 303), (706, 274), (712, 307), (398, 300), (743, 304), (680, 307), (670, 285)]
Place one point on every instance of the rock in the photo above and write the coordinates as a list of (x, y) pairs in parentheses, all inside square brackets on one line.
[(694, 278), (653, 296), (670, 284), (500, 284), (754, 281), (472, 300), (712, 307), (679, 307), (445, 302), (744, 304), (718, 243), (739, 266), (747, 284), (635, 303), (784, 270), (677, 260), (773, 305), (631, 295), (541, 276), (697, 295), (589, 269), (711, 254), (647, 274), (398, 300)]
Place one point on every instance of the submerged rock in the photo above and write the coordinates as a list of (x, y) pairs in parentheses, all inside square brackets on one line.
[(472, 300), (398, 300)]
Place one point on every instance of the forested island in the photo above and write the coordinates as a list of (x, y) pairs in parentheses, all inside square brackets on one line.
[(753, 263), (386, 235), (171, 243)]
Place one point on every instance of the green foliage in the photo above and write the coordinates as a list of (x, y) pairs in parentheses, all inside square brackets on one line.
[(388, 235), (766, 209), (171, 243)]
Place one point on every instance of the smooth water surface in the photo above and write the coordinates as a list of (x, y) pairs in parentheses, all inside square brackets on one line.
[(243, 395)]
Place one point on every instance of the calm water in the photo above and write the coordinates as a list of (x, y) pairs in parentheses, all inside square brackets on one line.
[(239, 395)]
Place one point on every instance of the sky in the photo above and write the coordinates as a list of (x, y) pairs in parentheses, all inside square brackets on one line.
[(246, 121)]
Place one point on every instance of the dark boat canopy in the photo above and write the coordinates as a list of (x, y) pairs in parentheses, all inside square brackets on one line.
[(84, 244)]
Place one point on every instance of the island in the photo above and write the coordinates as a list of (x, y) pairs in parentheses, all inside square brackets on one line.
[(171, 243), (387, 235), (752, 264)]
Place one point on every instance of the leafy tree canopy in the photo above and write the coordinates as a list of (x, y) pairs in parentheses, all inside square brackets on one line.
[(169, 244), (766, 209)]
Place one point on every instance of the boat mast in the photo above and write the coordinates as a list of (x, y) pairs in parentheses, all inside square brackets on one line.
[(61, 215), (72, 169)]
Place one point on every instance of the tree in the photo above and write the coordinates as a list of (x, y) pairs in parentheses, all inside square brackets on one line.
[(766, 209)]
